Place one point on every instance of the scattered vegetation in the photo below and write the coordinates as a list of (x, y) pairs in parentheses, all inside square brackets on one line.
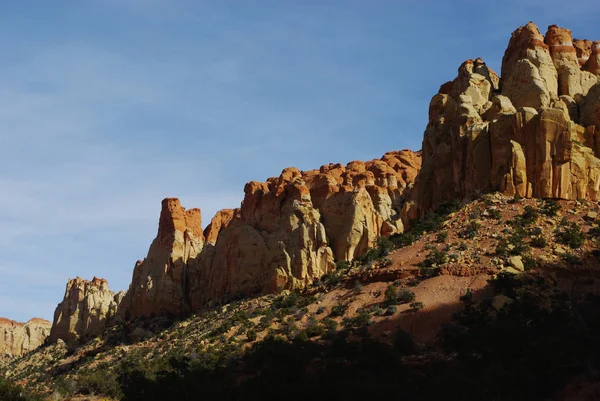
[(569, 233)]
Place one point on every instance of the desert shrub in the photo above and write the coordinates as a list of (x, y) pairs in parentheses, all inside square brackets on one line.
[(494, 214), (528, 217), (441, 237), (383, 248), (572, 259), (343, 265), (550, 208), (594, 232), (416, 306), (431, 222), (569, 233), (14, 392), (529, 262), (251, 335), (338, 310), (102, 380), (405, 296), (390, 310), (314, 328), (390, 297), (302, 335), (539, 242), (362, 318), (470, 231), (330, 326), (331, 279)]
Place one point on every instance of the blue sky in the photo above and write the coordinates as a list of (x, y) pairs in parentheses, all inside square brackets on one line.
[(109, 106)]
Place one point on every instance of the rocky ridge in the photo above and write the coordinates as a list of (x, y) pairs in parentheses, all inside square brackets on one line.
[(17, 339), (533, 132), (288, 232)]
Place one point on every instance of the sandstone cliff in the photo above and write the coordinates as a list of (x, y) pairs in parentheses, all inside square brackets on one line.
[(533, 132), (17, 339), (85, 311), (288, 231)]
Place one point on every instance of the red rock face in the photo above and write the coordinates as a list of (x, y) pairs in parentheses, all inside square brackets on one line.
[(17, 339), (85, 311)]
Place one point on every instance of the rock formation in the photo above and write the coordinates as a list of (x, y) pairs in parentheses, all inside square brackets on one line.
[(85, 311), (17, 339), (288, 232), (532, 133), (158, 286)]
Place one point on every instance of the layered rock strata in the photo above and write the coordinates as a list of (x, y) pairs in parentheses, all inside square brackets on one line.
[(532, 133), (17, 339), (85, 311), (288, 232)]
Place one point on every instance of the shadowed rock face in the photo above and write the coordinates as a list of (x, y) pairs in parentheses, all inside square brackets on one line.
[(17, 339), (532, 133), (85, 311)]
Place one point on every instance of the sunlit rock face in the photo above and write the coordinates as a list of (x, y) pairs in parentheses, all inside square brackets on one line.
[(85, 311), (288, 232), (17, 339), (533, 132)]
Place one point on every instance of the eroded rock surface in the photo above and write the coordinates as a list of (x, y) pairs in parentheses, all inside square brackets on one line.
[(533, 134), (85, 311), (17, 339), (288, 232)]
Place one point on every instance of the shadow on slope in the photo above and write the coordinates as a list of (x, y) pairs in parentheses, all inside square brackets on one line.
[(528, 350)]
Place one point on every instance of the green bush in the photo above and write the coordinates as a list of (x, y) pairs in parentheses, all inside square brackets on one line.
[(314, 328), (470, 231), (405, 296), (539, 242), (416, 306), (251, 335), (569, 233), (441, 237), (494, 214), (362, 318), (550, 208), (338, 310), (14, 392), (330, 326), (390, 297)]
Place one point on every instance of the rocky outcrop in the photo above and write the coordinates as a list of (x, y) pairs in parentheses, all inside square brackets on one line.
[(85, 311), (17, 339), (593, 63), (532, 134), (572, 80), (159, 282), (288, 232)]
